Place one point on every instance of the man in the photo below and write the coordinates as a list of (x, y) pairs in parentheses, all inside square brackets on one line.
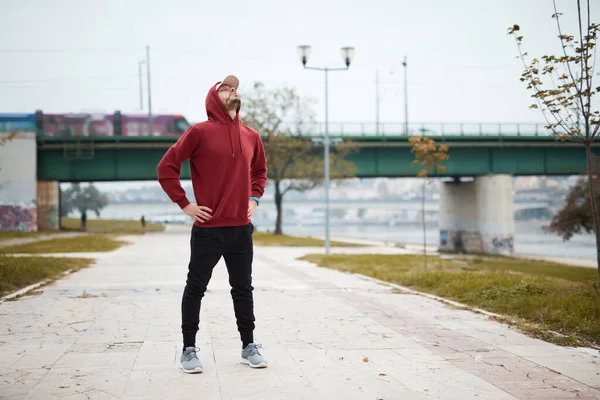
[(229, 173)]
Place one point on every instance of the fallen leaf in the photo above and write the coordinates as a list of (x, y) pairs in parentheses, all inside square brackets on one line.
[(366, 359), (382, 374)]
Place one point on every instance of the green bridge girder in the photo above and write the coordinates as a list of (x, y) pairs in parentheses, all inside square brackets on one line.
[(85, 159)]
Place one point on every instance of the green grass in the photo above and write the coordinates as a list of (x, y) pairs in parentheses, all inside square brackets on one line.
[(19, 272), (6, 235), (93, 226), (270, 239), (109, 225), (538, 297), (84, 243)]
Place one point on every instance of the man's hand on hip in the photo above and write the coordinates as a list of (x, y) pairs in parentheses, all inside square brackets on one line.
[(199, 213), (251, 208)]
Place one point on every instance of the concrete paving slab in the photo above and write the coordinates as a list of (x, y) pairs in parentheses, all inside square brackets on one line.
[(112, 331)]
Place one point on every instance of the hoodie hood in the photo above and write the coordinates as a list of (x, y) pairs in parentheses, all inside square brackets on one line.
[(217, 113), (215, 109)]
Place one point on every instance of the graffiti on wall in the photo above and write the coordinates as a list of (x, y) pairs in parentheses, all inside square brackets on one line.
[(48, 218), (18, 210), (503, 244), (460, 241), (18, 218)]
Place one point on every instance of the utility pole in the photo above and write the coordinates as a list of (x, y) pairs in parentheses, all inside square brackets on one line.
[(405, 64), (377, 101), (150, 122), (140, 63)]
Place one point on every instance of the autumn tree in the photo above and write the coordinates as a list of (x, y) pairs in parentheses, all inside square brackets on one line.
[(428, 155), (575, 216), (294, 162), (562, 86), (83, 200)]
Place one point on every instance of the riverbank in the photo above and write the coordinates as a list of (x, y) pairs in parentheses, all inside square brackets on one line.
[(306, 219)]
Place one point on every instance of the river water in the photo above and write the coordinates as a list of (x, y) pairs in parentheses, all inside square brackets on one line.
[(386, 221)]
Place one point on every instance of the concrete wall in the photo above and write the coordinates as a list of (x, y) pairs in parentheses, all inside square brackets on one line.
[(459, 228), (47, 205), (18, 173), (496, 215), (477, 216)]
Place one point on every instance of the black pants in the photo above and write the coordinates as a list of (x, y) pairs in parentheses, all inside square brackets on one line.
[(207, 246)]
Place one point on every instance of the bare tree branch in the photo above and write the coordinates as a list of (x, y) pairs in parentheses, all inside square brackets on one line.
[(571, 111)]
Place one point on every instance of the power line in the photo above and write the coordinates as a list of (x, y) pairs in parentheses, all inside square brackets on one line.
[(69, 79), (68, 50), (240, 58)]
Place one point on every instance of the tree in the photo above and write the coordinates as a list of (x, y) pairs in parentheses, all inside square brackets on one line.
[(10, 136), (294, 162), (565, 94), (428, 155), (575, 217), (82, 200)]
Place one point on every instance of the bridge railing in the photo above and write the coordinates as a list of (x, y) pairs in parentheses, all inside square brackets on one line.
[(421, 128), (372, 129)]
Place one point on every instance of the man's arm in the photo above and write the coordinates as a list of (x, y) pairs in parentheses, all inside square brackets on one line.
[(258, 171), (169, 167)]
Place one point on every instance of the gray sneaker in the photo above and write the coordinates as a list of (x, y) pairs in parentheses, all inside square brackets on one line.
[(189, 361), (252, 357)]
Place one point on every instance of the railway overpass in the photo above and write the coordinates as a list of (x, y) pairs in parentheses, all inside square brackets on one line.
[(83, 159), (476, 214)]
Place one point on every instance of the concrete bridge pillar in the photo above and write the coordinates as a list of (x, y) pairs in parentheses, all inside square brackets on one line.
[(477, 216), (47, 205)]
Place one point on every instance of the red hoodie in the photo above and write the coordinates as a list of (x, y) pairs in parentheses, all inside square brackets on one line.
[(227, 165)]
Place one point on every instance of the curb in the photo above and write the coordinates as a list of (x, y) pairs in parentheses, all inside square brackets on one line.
[(21, 291), (431, 296), (30, 287), (504, 319)]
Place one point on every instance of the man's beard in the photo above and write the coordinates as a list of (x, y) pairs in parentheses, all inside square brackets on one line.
[(233, 103)]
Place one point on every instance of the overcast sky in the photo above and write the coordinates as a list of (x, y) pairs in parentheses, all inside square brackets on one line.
[(79, 55), (82, 55)]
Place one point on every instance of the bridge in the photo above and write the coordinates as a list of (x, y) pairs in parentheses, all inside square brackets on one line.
[(474, 149), (476, 215)]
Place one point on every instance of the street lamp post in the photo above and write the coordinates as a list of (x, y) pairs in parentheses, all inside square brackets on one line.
[(347, 55)]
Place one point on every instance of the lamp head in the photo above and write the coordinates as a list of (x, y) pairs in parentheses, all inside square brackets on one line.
[(303, 53), (347, 55)]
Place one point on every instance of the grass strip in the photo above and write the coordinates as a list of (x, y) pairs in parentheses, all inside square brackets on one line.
[(554, 302), (19, 272), (77, 244), (109, 225), (270, 239)]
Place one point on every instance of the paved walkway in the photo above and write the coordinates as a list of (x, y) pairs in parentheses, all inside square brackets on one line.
[(25, 240), (112, 331)]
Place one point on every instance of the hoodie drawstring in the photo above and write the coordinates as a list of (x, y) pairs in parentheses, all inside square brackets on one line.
[(240, 138), (230, 140)]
